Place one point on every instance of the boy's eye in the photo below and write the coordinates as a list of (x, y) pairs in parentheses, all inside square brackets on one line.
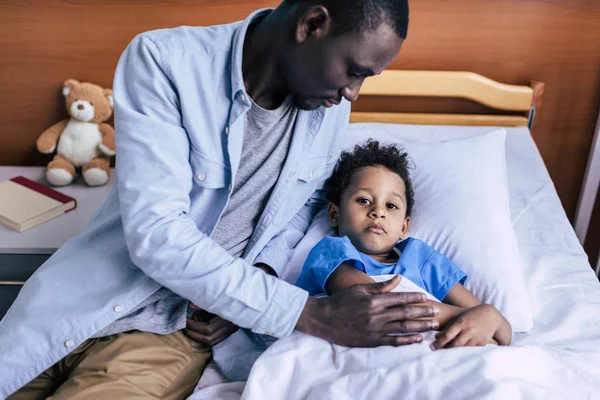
[(363, 201), (392, 206)]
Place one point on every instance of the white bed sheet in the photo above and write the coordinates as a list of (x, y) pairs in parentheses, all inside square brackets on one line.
[(558, 358)]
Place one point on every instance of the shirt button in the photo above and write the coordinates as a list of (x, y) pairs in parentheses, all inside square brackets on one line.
[(227, 130), (243, 97), (267, 219), (118, 308), (201, 177), (310, 175), (294, 174), (69, 343), (230, 187)]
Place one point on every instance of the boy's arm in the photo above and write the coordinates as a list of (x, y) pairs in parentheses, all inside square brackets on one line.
[(456, 301), (345, 276), (463, 299), (447, 313), (459, 296)]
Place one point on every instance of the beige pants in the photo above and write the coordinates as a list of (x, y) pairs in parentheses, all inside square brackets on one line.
[(131, 365)]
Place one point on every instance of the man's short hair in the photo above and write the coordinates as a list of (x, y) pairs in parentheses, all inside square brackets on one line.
[(361, 15)]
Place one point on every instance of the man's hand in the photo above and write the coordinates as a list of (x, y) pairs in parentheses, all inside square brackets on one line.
[(365, 315), (476, 326), (208, 329), (266, 268)]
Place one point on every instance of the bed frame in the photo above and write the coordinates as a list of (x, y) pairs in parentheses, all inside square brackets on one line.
[(519, 104)]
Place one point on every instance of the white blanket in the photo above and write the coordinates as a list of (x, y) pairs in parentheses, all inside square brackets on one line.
[(558, 359), (304, 367)]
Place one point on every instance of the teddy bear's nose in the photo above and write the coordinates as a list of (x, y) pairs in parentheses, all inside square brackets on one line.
[(80, 107)]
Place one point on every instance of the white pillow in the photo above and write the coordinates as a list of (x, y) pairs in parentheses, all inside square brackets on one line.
[(462, 210)]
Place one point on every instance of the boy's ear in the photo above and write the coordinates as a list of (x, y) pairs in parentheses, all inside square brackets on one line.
[(405, 225), (333, 212)]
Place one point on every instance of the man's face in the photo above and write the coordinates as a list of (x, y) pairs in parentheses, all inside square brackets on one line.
[(322, 69), (372, 211)]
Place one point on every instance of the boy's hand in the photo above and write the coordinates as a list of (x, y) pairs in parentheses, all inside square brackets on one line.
[(476, 326)]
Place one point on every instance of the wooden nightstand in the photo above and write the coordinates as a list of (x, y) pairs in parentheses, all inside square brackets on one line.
[(22, 253)]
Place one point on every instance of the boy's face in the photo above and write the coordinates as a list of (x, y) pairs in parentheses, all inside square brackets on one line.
[(372, 211)]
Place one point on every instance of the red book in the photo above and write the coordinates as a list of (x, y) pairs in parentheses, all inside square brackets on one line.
[(25, 203)]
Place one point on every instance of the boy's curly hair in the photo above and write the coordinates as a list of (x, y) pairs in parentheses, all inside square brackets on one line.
[(370, 154)]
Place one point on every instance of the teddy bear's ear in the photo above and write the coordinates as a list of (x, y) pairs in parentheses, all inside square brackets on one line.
[(108, 94), (68, 86)]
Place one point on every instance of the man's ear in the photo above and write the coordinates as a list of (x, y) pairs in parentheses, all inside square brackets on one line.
[(405, 226), (333, 212), (314, 23)]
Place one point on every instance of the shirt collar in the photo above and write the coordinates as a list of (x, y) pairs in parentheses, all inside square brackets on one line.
[(401, 245), (237, 78)]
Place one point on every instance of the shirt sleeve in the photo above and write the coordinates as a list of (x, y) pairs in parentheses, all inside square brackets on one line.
[(440, 274), (323, 259), (154, 180), (278, 251)]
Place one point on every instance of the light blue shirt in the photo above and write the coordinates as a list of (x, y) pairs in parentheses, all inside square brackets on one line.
[(179, 107), (419, 262)]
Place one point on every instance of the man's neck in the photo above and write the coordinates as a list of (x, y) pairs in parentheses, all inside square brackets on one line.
[(260, 63)]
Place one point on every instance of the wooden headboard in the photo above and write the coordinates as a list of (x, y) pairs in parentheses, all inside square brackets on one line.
[(45, 42), (519, 103)]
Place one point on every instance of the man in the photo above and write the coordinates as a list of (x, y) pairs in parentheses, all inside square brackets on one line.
[(224, 133)]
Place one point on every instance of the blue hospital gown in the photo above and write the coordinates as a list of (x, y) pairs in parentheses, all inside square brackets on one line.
[(420, 263)]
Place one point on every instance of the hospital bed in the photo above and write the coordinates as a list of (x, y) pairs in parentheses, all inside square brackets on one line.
[(558, 358)]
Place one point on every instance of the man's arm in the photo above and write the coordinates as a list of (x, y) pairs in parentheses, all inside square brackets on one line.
[(278, 251), (154, 181)]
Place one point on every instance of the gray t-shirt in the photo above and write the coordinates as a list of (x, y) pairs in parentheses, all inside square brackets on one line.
[(267, 138)]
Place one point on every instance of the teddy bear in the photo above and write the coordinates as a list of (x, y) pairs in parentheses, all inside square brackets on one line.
[(83, 140)]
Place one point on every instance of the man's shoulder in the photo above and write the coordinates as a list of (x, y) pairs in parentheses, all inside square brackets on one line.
[(206, 40)]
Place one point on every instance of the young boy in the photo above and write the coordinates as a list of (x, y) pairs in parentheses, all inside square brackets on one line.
[(370, 202)]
